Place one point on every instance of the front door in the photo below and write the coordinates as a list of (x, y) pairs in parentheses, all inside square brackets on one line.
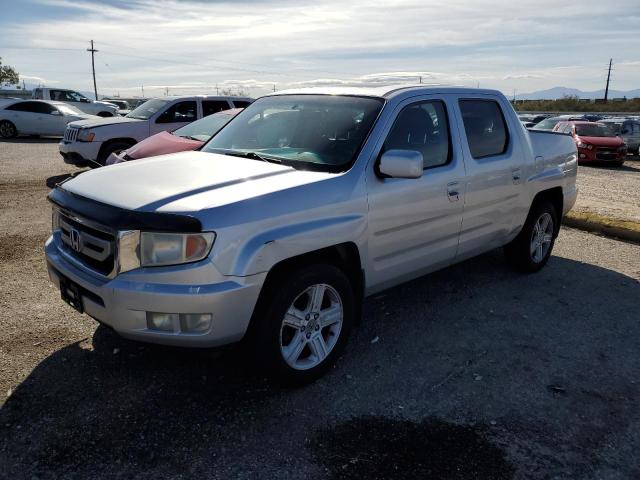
[(414, 223)]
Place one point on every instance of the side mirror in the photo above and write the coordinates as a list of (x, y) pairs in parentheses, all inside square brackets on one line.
[(401, 164), (55, 112), (85, 100)]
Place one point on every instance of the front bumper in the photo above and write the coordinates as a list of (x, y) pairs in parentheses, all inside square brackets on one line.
[(122, 302), (596, 155), (79, 153)]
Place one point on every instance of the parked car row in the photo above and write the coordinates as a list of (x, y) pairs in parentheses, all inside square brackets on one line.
[(595, 141), (91, 142)]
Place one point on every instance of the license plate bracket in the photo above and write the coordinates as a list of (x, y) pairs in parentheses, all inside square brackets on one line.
[(70, 293)]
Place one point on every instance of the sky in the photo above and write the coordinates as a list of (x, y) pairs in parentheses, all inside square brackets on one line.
[(186, 47)]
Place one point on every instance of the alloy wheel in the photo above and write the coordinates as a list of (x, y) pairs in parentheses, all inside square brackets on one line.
[(311, 327), (541, 237)]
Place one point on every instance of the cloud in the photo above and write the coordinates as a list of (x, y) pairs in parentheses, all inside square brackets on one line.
[(253, 44)]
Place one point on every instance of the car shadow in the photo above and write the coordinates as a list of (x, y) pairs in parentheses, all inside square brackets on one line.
[(54, 180), (614, 168), (465, 345), (32, 140)]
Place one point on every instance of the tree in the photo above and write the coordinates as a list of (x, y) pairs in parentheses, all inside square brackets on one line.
[(8, 74)]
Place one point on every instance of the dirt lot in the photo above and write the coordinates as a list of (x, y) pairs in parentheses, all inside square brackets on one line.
[(473, 372), (610, 191)]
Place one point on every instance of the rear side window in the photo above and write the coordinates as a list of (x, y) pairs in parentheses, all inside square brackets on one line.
[(214, 106), (485, 127), (31, 107), (422, 127), (180, 112)]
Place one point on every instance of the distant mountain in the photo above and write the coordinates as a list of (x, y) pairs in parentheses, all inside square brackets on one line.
[(559, 92)]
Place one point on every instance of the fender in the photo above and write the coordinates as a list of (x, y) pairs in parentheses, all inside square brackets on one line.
[(261, 252)]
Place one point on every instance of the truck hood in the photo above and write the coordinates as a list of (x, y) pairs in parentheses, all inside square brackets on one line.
[(186, 182), (96, 121)]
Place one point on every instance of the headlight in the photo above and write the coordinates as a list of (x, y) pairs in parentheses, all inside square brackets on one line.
[(585, 145), (86, 135), (174, 248)]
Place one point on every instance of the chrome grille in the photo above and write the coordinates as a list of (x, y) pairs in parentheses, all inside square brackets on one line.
[(71, 134), (87, 243)]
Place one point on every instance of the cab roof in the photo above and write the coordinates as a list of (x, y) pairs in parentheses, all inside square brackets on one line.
[(386, 92)]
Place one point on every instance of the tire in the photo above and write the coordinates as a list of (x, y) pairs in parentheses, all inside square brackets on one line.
[(8, 129), (109, 148), (520, 253), (291, 324), (105, 114)]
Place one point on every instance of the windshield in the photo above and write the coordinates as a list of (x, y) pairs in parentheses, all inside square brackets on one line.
[(147, 109), (206, 127), (320, 132), (594, 130), (69, 110), (546, 124)]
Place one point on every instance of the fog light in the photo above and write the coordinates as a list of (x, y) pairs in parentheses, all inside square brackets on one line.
[(582, 155), (162, 321), (195, 322)]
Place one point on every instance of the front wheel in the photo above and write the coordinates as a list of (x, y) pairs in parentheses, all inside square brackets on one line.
[(531, 249), (8, 129), (306, 324)]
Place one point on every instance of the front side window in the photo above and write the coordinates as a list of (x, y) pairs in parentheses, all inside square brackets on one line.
[(148, 109), (319, 132), (484, 125), (422, 127), (241, 103), (181, 112), (210, 107)]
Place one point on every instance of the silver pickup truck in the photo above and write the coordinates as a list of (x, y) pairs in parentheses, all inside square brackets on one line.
[(301, 206)]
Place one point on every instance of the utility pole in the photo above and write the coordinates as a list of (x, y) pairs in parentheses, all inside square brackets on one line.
[(420, 79), (606, 90), (142, 91), (217, 93), (93, 68), (274, 87)]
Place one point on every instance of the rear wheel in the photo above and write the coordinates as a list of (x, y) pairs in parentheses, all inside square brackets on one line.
[(306, 324), (531, 249), (8, 129)]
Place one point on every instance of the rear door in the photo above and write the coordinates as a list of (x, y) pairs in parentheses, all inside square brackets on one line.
[(493, 155), (209, 107), (174, 116), (25, 116), (414, 223)]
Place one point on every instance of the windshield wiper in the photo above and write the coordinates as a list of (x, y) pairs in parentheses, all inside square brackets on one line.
[(253, 156)]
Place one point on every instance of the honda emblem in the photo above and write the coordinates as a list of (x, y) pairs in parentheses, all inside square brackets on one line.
[(74, 236)]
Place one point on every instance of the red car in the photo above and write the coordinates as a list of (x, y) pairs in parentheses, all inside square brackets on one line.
[(596, 142), (189, 137)]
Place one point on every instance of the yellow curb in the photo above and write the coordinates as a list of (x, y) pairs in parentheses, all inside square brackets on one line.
[(609, 226)]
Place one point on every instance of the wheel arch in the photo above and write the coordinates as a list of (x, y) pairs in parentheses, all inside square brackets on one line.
[(555, 197), (105, 145), (345, 256)]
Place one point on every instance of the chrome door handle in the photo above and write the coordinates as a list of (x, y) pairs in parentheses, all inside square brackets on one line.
[(453, 191)]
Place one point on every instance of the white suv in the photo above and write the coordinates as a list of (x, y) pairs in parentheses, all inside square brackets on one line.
[(92, 141)]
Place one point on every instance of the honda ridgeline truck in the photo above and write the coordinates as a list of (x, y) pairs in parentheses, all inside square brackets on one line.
[(305, 203)]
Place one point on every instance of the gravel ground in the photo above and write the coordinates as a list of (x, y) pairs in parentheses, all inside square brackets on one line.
[(472, 372), (610, 191)]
